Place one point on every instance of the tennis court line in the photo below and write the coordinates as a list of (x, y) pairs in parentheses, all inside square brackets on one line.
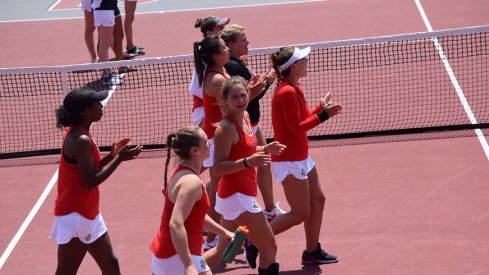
[(171, 11), (54, 5), (42, 198), (28, 220), (454, 81)]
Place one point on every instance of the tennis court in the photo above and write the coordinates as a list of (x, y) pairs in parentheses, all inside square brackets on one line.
[(405, 206)]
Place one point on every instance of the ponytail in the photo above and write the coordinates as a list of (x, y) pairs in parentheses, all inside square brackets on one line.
[(274, 60), (169, 143), (279, 58), (199, 64), (204, 55)]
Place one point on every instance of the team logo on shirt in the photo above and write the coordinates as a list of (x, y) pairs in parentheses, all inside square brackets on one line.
[(88, 237)]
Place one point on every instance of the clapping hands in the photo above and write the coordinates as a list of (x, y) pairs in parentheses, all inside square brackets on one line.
[(125, 149), (331, 108)]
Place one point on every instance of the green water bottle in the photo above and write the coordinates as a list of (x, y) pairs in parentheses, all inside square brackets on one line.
[(232, 249)]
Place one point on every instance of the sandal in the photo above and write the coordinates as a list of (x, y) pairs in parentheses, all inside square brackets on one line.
[(136, 51)]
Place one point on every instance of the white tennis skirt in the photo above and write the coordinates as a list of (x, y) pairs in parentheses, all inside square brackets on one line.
[(75, 225)]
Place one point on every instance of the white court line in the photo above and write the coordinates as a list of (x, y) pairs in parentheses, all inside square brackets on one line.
[(54, 5), (41, 200), (28, 220), (173, 11), (454, 81)]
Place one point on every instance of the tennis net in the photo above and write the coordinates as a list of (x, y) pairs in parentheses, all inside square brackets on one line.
[(402, 87)]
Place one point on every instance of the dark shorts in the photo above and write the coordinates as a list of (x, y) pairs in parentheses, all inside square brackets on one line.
[(109, 5)]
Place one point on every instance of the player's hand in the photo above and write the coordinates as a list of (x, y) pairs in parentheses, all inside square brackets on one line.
[(117, 146), (333, 109), (130, 152), (326, 99), (270, 75), (256, 84), (244, 58), (227, 235), (259, 159), (275, 148)]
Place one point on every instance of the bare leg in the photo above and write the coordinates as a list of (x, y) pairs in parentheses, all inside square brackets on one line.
[(298, 196), (264, 176), (130, 9), (106, 40), (89, 31), (312, 225), (70, 256), (118, 38), (261, 236), (213, 256), (101, 250), (212, 189)]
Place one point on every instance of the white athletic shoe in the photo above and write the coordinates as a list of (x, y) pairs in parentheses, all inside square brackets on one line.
[(277, 211), (208, 246)]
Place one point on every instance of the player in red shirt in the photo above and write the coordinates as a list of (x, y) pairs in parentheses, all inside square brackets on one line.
[(235, 37), (294, 168), (210, 56), (78, 225), (177, 245), (211, 25), (235, 161)]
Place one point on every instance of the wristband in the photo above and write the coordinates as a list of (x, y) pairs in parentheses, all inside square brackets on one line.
[(245, 162), (322, 115)]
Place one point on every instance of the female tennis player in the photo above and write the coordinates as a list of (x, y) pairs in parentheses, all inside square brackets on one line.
[(235, 161), (212, 25), (237, 41), (294, 168), (211, 54), (89, 29), (78, 225), (177, 245), (130, 10)]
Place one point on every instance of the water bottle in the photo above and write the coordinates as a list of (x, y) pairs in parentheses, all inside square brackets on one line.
[(232, 249)]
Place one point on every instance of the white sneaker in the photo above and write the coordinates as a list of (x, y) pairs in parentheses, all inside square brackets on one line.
[(208, 246), (277, 211)]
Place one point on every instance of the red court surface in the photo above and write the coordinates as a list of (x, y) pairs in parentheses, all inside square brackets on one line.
[(415, 207)]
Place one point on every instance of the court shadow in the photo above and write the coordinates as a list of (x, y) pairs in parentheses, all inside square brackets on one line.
[(223, 266), (306, 270)]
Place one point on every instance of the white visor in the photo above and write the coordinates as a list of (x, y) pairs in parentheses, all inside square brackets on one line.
[(298, 54)]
